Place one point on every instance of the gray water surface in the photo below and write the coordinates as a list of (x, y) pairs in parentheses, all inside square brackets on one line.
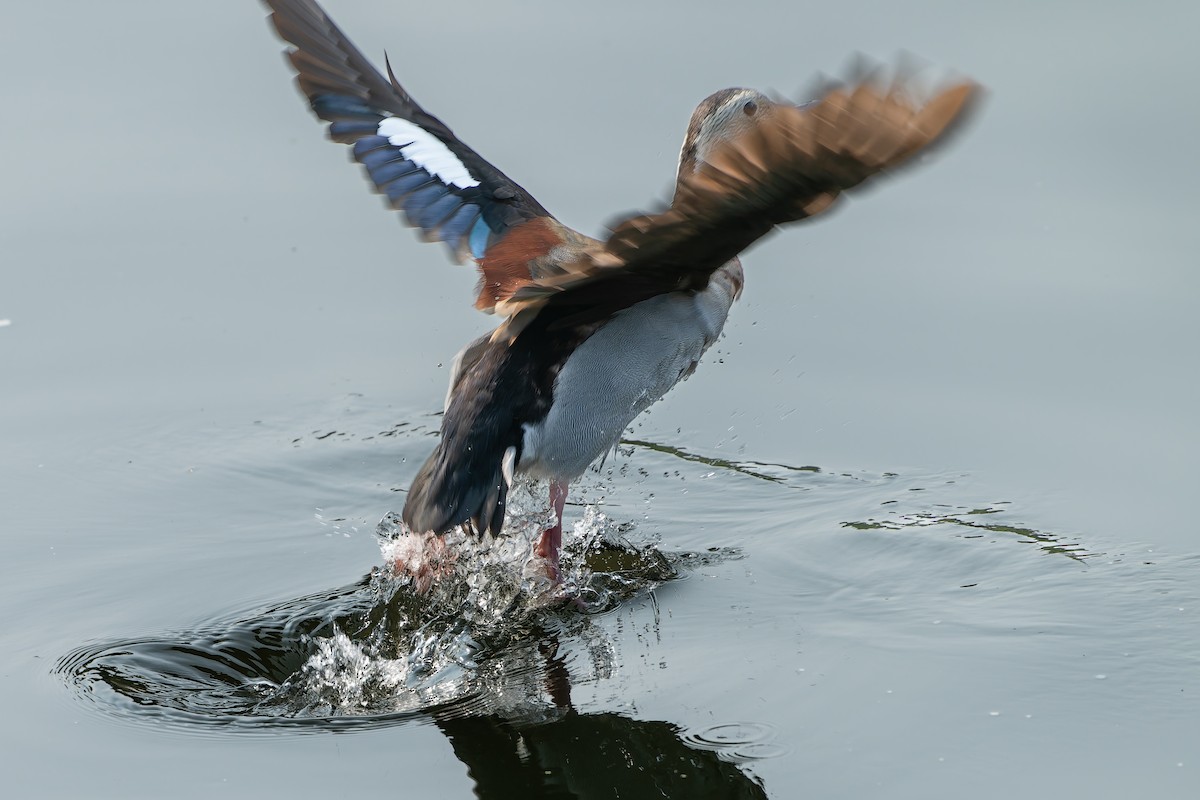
[(922, 524)]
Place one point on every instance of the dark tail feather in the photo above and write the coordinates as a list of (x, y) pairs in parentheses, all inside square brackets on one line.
[(445, 495), (465, 481)]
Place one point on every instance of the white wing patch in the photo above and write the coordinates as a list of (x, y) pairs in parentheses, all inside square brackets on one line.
[(426, 151)]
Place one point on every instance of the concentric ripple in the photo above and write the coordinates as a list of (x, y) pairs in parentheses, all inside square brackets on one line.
[(737, 742)]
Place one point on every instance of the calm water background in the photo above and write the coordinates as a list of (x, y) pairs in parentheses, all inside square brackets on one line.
[(199, 286)]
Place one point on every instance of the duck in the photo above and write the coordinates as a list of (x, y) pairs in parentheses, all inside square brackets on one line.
[(593, 331)]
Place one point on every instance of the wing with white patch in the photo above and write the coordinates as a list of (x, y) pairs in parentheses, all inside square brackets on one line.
[(443, 186)]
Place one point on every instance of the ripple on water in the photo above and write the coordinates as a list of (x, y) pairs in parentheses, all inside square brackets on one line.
[(737, 742), (472, 628), (916, 566)]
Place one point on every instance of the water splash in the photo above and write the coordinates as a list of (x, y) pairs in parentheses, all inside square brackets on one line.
[(492, 581), (456, 602)]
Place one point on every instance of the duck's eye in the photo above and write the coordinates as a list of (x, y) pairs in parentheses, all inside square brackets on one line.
[(749, 108)]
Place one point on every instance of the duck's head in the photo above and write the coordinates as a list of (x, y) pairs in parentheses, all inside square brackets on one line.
[(721, 116)]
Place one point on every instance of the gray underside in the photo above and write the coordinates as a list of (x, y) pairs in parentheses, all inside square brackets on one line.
[(617, 373)]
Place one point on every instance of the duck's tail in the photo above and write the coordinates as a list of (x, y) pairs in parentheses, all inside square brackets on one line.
[(450, 492)]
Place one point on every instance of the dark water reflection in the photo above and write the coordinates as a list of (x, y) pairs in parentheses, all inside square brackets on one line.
[(591, 756)]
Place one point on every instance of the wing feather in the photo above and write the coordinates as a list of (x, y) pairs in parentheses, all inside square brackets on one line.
[(442, 186), (792, 164)]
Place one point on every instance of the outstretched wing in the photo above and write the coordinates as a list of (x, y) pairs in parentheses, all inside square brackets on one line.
[(442, 186), (793, 163)]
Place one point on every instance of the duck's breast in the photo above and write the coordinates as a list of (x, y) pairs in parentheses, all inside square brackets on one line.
[(619, 371)]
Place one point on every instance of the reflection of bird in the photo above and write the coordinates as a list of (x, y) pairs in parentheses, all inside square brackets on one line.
[(583, 756), (594, 331), (569, 754)]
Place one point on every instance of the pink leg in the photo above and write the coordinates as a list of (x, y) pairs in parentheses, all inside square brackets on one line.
[(551, 539)]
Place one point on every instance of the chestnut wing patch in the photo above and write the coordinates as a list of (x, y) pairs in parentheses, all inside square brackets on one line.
[(531, 252)]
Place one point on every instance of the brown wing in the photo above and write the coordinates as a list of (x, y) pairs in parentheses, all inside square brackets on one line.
[(790, 165)]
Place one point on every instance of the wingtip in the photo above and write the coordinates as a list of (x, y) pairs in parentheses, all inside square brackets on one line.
[(950, 111)]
